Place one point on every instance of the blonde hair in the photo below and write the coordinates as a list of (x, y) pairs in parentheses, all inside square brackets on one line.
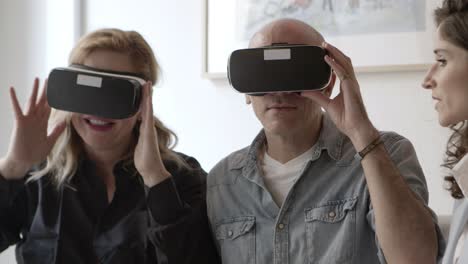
[(62, 161)]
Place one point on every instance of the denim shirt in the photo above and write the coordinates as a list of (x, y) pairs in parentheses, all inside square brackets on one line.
[(326, 217)]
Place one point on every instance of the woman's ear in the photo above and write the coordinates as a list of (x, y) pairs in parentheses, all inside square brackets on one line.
[(328, 91), (247, 99)]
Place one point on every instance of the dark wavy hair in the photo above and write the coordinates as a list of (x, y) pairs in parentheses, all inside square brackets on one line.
[(457, 147), (452, 20)]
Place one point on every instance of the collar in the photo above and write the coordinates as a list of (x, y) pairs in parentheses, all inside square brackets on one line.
[(460, 173), (330, 139), (124, 170)]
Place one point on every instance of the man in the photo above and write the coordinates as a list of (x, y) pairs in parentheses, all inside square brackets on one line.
[(299, 195)]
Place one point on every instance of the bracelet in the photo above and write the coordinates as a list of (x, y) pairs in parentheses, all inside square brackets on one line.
[(360, 155)]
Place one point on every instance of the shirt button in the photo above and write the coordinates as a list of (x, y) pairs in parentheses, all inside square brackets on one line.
[(331, 214), (230, 233), (281, 226)]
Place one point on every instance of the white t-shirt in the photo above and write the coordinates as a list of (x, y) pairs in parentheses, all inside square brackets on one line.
[(279, 178), (460, 173)]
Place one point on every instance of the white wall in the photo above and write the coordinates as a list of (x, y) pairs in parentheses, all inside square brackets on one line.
[(210, 119), (35, 34), (21, 27)]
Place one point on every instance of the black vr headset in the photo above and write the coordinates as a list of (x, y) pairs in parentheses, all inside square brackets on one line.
[(278, 68), (86, 90)]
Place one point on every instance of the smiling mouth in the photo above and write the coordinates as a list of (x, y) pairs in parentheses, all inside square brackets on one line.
[(99, 125)]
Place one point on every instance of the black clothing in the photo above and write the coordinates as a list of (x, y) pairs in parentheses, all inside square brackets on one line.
[(76, 224)]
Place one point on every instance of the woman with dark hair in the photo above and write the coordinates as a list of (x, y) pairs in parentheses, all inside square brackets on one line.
[(448, 81)]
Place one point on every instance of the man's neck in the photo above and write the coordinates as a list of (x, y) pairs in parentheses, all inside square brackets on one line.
[(286, 147)]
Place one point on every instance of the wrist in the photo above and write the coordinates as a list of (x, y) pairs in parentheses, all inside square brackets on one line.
[(363, 137), (369, 148), (12, 170), (154, 177)]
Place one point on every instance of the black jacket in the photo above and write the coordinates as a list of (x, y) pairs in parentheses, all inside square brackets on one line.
[(75, 224)]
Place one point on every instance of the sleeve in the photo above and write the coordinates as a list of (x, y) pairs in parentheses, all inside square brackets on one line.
[(212, 197), (404, 157), (178, 219), (12, 211)]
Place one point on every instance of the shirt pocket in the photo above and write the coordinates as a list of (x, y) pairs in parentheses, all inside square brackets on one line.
[(331, 231), (236, 237)]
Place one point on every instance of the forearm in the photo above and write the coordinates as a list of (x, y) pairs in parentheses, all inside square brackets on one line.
[(404, 226), (188, 240), (13, 211), (164, 202), (180, 226)]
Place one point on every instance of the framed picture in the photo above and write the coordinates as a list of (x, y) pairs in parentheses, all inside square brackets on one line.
[(378, 35)]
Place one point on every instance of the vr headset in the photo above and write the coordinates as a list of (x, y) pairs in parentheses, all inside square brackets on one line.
[(278, 68), (86, 90)]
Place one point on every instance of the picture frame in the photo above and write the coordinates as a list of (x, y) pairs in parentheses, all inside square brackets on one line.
[(405, 47)]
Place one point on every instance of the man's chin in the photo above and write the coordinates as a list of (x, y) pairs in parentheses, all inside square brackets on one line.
[(281, 129)]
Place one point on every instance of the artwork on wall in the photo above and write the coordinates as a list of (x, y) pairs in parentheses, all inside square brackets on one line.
[(379, 35)]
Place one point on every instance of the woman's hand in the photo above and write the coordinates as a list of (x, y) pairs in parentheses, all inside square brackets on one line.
[(30, 144), (147, 158), (347, 109)]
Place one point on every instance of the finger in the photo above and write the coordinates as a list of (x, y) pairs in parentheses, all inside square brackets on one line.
[(143, 104), (15, 103), (146, 111), (317, 97), (42, 103), (337, 68), (55, 133), (43, 96), (33, 98), (149, 105), (46, 110), (339, 56), (351, 90), (335, 52)]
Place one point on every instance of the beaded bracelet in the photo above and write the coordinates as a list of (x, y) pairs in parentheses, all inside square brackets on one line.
[(360, 155)]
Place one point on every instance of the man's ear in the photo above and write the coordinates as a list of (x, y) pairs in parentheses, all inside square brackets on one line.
[(328, 91), (247, 99)]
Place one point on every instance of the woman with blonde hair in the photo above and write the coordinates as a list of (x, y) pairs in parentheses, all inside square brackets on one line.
[(99, 190), (448, 81)]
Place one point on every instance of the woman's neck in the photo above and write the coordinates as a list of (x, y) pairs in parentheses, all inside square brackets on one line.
[(105, 161), (107, 158)]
